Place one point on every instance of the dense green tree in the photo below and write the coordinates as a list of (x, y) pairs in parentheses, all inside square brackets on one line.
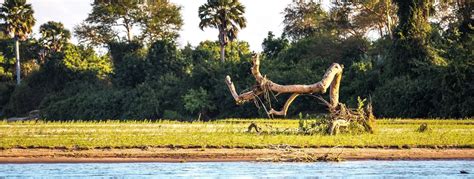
[(377, 15), (28, 54), (130, 64), (75, 64), (165, 58), (339, 21), (302, 19), (198, 101), (461, 19), (227, 16), (412, 48), (6, 76), (273, 46), (118, 50), (161, 20), (7, 60), (156, 19), (17, 21), (429, 67), (84, 59)]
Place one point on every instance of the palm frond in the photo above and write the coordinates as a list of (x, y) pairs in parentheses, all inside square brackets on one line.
[(225, 15), (17, 17)]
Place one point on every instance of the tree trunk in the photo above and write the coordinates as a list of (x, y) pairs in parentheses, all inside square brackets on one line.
[(127, 23), (331, 78), (222, 53), (17, 53), (223, 43)]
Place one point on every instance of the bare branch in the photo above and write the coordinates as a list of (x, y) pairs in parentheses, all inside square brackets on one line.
[(242, 98), (285, 107)]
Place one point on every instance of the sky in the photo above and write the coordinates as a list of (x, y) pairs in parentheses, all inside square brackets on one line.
[(262, 16)]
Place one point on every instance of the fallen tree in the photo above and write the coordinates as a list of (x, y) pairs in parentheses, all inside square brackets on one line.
[(340, 115)]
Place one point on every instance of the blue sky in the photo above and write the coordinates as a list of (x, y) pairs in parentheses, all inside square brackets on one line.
[(262, 16)]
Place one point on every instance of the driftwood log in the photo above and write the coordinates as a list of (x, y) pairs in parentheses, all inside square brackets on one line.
[(339, 114)]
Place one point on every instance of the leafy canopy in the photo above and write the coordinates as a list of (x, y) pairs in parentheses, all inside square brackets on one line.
[(303, 19), (54, 36), (109, 19)]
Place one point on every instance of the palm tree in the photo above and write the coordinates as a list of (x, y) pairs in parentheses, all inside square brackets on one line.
[(225, 15), (54, 36), (17, 21)]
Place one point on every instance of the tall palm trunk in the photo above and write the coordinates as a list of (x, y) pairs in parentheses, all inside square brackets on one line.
[(17, 51), (222, 43), (222, 53)]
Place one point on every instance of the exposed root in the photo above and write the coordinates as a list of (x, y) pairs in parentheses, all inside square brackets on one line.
[(342, 117)]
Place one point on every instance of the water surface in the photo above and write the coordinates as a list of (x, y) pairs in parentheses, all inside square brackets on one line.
[(356, 169)]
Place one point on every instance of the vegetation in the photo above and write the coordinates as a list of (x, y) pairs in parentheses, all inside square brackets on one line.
[(418, 65), (302, 19), (156, 19), (18, 22), (54, 36), (225, 15), (391, 133)]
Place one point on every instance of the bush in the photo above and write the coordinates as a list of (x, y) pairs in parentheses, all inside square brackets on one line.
[(87, 105), (164, 58), (131, 71), (142, 102), (6, 90), (24, 99), (405, 97), (198, 101), (60, 70)]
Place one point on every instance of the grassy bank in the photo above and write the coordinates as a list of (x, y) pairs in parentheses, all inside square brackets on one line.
[(392, 133)]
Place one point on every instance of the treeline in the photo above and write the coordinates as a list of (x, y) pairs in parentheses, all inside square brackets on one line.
[(421, 63)]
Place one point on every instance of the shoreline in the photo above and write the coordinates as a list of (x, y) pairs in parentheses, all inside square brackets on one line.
[(227, 155)]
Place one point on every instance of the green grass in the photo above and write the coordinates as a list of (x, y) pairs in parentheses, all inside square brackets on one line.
[(226, 133)]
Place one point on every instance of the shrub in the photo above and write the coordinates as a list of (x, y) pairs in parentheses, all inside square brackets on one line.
[(142, 102), (198, 101), (87, 105), (6, 90), (131, 71)]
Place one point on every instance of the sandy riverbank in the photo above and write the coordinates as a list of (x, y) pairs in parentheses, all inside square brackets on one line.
[(223, 155)]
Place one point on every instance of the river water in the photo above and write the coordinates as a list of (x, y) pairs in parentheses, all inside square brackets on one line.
[(350, 169)]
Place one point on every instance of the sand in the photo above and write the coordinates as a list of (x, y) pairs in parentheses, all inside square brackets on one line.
[(225, 155)]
